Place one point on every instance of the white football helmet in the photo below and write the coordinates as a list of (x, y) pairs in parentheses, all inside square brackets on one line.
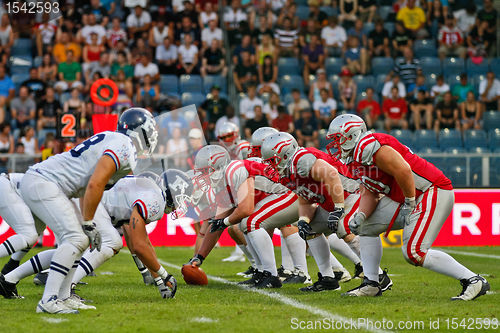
[(209, 166), (345, 132), (227, 134), (257, 138), (277, 151)]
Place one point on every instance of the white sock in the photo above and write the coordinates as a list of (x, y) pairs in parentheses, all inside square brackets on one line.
[(263, 245), (342, 248), (90, 261), (336, 265), (247, 253), (371, 254), (286, 258), (237, 251), (19, 255), (12, 245), (257, 262), (443, 263), (321, 253), (60, 266), (297, 248), (354, 245), (65, 290), (36, 264)]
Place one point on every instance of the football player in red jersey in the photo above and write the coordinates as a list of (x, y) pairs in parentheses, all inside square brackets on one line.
[(416, 197), (321, 184)]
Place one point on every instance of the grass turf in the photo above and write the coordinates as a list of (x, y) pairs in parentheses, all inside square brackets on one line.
[(124, 304)]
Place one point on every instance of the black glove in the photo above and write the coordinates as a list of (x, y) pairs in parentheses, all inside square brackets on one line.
[(217, 224), (197, 260), (305, 229), (334, 218)]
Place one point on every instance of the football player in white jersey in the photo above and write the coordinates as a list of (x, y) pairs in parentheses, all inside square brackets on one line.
[(83, 172), (132, 202), (18, 216)]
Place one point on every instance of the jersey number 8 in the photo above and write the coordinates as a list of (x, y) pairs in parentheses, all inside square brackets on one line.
[(78, 150)]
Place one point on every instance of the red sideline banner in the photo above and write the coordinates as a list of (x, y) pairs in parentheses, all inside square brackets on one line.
[(474, 221)]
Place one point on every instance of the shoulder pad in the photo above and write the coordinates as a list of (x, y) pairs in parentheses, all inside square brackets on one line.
[(366, 148)]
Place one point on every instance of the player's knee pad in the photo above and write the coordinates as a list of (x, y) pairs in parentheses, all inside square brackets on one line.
[(80, 241), (115, 243)]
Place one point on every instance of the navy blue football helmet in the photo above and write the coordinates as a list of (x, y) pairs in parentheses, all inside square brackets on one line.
[(140, 126), (178, 188)]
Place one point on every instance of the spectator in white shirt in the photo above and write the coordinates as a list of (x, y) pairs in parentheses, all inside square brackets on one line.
[(207, 15), (298, 104), (138, 22), (466, 17), (115, 33), (84, 34), (439, 89), (333, 37), (188, 57), (395, 82), (489, 91), (210, 33), (232, 18), (248, 103), (229, 117), (146, 67), (166, 56), (325, 109)]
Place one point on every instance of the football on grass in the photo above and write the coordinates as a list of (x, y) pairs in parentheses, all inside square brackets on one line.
[(194, 275)]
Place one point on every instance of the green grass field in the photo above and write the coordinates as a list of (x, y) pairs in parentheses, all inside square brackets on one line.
[(125, 304)]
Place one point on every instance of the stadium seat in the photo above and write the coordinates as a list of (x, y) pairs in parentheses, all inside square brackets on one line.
[(430, 65), (457, 174), (169, 84), (65, 96), (334, 80), (41, 134), (384, 11), (379, 82), (473, 69), (430, 80), (188, 98), (382, 65), (363, 82), (495, 65), (21, 47), (494, 172), (329, 11), (475, 138), (404, 136), (210, 80), (450, 138), (290, 82), (37, 62), (301, 2), (19, 70), (389, 26), (323, 141), (288, 66), (333, 65), (453, 66), (425, 48), (302, 12), (428, 150), (453, 80), (491, 120), (19, 78), (494, 139), (368, 27), (191, 83), (426, 138)]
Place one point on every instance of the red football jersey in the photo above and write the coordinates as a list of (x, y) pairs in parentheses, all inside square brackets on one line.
[(425, 173), (301, 182)]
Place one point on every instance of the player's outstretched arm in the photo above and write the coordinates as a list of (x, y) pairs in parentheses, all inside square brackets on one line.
[(391, 162)]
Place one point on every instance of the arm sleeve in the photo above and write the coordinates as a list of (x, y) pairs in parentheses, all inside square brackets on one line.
[(366, 149), (305, 164), (123, 153), (150, 205)]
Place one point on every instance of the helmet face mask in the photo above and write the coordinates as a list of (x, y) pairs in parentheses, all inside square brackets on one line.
[(345, 131), (258, 138), (140, 126), (178, 188), (209, 165), (254, 152), (228, 134), (277, 151)]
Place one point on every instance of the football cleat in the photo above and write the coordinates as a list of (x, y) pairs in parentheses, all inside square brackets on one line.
[(248, 273), (323, 283), (41, 278), (54, 306), (268, 281), (385, 281), (256, 277), (10, 266), (367, 288), (298, 277), (358, 271), (472, 288), (283, 274), (8, 289), (76, 303), (342, 275), (236, 255)]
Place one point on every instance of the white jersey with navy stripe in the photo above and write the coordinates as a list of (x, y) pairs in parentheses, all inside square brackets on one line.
[(15, 181), (130, 192), (72, 170)]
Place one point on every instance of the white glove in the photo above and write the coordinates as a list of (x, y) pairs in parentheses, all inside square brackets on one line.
[(356, 221), (93, 235), (167, 286), (406, 209)]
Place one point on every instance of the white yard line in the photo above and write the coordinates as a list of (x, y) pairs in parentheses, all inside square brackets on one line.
[(472, 254), (286, 300), (52, 320)]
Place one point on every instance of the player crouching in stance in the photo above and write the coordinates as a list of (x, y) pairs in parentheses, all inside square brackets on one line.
[(417, 198), (83, 172)]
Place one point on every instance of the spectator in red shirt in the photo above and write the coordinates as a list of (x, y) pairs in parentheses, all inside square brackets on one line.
[(451, 40), (395, 109), (368, 108), (284, 121)]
